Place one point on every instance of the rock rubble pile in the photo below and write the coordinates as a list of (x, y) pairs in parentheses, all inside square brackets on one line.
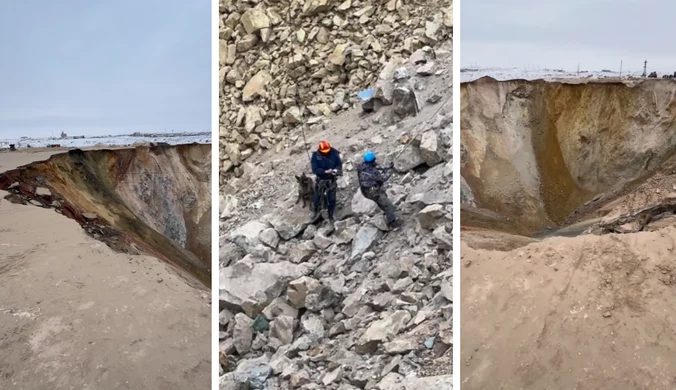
[(290, 63), (353, 306)]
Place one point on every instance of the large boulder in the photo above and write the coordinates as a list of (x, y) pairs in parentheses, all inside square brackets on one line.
[(255, 19), (409, 159), (383, 330), (302, 252), (432, 217), (292, 116), (246, 236), (404, 101), (430, 148), (322, 241), (269, 237), (435, 188), (299, 289), (366, 237), (282, 329), (228, 206), (384, 87), (443, 237), (229, 253), (253, 372), (255, 87), (242, 334), (278, 307), (313, 7), (229, 382), (288, 224), (253, 286)]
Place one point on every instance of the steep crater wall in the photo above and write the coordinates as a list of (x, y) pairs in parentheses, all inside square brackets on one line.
[(535, 151), (154, 200)]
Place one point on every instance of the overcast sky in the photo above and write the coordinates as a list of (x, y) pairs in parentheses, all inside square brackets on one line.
[(597, 34), (104, 67)]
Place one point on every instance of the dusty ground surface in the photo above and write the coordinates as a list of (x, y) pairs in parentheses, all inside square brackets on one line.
[(12, 160), (592, 310), (76, 315)]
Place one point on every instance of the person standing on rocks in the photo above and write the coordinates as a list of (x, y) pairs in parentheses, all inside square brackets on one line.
[(326, 165), (372, 179)]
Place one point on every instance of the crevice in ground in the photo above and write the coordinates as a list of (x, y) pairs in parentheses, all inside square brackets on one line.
[(151, 200)]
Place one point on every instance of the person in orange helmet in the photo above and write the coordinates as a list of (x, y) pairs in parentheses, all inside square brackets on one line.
[(326, 165)]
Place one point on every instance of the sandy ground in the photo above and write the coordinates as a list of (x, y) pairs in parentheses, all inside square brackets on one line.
[(11, 160), (591, 312), (76, 315)]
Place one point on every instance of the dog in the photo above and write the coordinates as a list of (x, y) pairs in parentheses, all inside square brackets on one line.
[(306, 189)]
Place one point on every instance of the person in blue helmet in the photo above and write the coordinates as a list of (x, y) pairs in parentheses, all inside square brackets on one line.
[(372, 179)]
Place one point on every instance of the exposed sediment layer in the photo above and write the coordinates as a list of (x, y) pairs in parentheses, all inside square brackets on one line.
[(535, 151), (154, 200)]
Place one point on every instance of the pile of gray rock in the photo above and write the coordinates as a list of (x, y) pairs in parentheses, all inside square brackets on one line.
[(283, 63), (354, 306)]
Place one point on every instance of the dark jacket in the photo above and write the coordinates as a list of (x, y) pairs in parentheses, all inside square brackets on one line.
[(321, 163), (371, 175)]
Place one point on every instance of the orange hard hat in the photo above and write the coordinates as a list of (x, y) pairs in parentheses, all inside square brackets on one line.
[(324, 147)]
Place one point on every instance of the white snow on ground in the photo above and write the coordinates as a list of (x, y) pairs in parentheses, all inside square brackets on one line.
[(547, 74), (114, 140)]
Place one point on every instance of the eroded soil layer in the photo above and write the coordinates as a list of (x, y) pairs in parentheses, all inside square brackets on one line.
[(533, 152), (153, 200)]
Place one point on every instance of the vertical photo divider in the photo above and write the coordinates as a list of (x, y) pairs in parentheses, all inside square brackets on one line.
[(214, 194), (456, 194)]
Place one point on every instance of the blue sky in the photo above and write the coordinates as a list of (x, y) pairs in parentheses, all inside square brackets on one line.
[(597, 34), (104, 67)]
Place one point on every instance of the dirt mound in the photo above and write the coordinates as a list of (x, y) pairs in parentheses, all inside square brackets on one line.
[(591, 312), (150, 200), (535, 151)]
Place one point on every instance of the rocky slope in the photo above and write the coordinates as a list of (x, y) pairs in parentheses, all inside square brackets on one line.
[(145, 200), (355, 306), (287, 63)]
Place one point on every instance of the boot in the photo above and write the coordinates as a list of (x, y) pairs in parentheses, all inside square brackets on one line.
[(314, 217), (394, 224)]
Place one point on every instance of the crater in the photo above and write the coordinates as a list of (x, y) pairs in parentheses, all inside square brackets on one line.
[(153, 200)]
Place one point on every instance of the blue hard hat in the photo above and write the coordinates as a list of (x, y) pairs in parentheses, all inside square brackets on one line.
[(369, 157)]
